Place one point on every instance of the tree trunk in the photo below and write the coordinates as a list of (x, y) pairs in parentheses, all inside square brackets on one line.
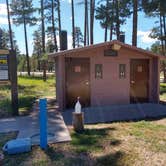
[(111, 30), (162, 46), (26, 44), (14, 84), (106, 28), (105, 36), (85, 24), (112, 24), (117, 20), (59, 22), (38, 61), (135, 17), (92, 8), (164, 26), (73, 24), (9, 24), (53, 26), (43, 26), (161, 34), (44, 70)]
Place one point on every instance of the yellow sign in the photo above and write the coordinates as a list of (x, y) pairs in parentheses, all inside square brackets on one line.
[(3, 61)]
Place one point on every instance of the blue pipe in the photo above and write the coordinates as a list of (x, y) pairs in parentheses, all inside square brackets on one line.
[(43, 123)]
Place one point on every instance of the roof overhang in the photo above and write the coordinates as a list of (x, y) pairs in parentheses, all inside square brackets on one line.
[(115, 44)]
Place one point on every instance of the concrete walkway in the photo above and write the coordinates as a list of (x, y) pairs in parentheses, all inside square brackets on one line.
[(28, 126), (118, 113)]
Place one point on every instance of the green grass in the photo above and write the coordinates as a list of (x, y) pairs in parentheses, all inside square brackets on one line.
[(150, 133), (115, 144), (88, 140), (163, 91), (29, 89)]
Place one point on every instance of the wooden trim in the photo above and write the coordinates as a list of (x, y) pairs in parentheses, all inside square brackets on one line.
[(4, 52), (106, 44)]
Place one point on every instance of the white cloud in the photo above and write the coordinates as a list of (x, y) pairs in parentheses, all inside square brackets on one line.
[(3, 9), (69, 1), (3, 14), (144, 36), (3, 20)]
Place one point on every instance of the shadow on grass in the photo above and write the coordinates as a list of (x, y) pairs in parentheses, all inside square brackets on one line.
[(26, 103), (112, 159), (25, 106), (5, 108), (58, 158), (54, 154), (91, 139)]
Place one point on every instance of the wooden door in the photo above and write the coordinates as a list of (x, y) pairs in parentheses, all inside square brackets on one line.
[(77, 81), (139, 80)]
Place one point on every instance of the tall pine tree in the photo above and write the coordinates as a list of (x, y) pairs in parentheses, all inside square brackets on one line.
[(22, 13)]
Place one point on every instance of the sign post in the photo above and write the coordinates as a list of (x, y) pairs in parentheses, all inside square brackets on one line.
[(8, 73), (13, 80)]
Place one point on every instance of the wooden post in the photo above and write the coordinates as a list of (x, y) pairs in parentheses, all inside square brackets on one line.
[(44, 70), (13, 80), (78, 121)]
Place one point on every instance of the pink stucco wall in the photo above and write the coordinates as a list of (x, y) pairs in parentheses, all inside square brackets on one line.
[(109, 90)]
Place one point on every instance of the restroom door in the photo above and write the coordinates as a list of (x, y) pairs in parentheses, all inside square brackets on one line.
[(77, 81), (139, 80)]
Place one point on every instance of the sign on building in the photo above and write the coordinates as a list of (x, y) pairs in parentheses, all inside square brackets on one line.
[(4, 65)]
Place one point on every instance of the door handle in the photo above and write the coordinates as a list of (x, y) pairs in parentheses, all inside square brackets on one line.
[(87, 83), (132, 82)]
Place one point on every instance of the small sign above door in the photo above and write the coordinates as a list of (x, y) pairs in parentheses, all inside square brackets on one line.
[(110, 52)]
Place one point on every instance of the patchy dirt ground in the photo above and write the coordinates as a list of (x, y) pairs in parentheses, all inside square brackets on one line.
[(121, 144)]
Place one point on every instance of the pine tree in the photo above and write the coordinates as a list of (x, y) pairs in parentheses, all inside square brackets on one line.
[(92, 10), (86, 21), (78, 37), (73, 23), (9, 24), (157, 8), (37, 46), (22, 13), (59, 20), (135, 18), (112, 15), (5, 42), (51, 7)]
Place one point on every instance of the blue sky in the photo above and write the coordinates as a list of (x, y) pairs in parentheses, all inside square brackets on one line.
[(145, 25)]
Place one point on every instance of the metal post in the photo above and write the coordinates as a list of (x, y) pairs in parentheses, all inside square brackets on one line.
[(43, 123)]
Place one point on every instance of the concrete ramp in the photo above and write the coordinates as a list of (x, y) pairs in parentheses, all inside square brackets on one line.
[(28, 126)]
